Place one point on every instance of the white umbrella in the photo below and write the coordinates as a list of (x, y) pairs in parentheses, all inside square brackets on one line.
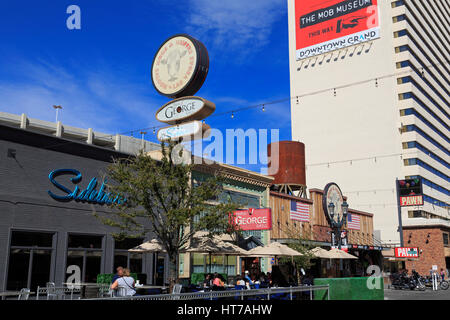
[(149, 246), (340, 254), (274, 249), (319, 252)]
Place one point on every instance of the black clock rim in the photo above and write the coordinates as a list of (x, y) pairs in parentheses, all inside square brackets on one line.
[(202, 63), (324, 200)]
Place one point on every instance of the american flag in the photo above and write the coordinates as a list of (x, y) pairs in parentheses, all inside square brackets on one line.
[(353, 221), (299, 211)]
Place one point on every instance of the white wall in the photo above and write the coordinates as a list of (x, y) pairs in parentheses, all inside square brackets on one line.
[(360, 122)]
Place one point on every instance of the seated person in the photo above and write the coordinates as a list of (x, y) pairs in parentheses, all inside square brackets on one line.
[(118, 275), (126, 282), (240, 282), (218, 283)]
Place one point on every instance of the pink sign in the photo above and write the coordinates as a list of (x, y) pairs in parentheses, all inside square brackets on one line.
[(253, 219)]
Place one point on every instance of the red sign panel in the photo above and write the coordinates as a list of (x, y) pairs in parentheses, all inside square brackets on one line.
[(411, 201), (406, 252), (253, 219), (323, 26)]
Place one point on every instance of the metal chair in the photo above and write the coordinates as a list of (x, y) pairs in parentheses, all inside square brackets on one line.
[(24, 294), (177, 290), (121, 291), (51, 291)]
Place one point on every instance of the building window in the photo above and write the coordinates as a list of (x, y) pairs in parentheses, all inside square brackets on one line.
[(445, 236), (86, 252), (30, 260), (123, 258)]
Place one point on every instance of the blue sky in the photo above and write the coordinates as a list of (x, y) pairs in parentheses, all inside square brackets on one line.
[(101, 73)]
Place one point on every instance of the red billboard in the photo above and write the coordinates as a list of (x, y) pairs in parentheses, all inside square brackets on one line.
[(253, 219), (325, 25), (406, 252)]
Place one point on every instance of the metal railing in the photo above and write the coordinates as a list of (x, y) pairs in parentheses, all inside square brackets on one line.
[(69, 292), (262, 294)]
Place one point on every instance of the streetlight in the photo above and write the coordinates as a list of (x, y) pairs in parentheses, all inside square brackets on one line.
[(338, 223), (143, 133), (57, 108)]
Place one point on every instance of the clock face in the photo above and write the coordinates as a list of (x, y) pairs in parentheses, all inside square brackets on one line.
[(180, 67), (332, 194)]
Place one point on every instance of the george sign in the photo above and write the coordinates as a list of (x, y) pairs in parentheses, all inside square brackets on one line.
[(185, 109), (324, 26), (90, 194), (184, 130), (410, 192), (180, 66), (253, 219), (402, 252)]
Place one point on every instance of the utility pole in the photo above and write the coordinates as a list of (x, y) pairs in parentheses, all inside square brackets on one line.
[(399, 211)]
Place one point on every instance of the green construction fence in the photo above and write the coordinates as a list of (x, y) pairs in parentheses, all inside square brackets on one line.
[(350, 288)]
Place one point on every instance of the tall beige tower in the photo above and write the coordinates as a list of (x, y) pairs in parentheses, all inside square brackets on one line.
[(372, 80)]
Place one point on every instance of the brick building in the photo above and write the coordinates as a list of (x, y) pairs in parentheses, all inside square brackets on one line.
[(433, 244)]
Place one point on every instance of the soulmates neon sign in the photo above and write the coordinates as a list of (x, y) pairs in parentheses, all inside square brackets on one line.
[(90, 194)]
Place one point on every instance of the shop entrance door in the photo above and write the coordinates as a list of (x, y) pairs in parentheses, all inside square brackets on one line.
[(158, 271)]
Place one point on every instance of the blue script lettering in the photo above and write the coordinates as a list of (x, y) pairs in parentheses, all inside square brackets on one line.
[(90, 194)]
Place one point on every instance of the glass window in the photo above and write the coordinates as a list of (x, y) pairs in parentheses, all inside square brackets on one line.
[(445, 236), (18, 269), (85, 241), (30, 259), (128, 243), (31, 239), (123, 258), (85, 251)]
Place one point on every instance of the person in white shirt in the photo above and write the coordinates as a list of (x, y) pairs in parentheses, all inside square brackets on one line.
[(125, 282)]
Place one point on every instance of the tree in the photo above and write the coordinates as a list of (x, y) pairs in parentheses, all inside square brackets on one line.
[(300, 243), (162, 201)]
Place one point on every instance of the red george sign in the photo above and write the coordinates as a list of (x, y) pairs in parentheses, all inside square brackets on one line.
[(253, 219), (323, 26)]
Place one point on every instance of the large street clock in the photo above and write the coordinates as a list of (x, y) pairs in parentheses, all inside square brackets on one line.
[(332, 194)]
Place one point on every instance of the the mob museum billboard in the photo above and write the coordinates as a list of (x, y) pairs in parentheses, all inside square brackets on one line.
[(324, 26)]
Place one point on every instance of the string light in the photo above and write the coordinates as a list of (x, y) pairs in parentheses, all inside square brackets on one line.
[(279, 101)]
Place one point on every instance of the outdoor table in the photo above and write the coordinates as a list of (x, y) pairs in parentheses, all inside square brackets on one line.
[(144, 289)]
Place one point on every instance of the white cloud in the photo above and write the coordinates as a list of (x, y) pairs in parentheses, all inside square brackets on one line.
[(237, 25), (101, 100)]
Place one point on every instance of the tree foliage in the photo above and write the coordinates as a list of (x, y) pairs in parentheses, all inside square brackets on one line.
[(163, 203)]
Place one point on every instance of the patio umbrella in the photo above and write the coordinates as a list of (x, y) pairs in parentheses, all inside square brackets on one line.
[(340, 254), (149, 246), (321, 253), (152, 246), (274, 249), (210, 246)]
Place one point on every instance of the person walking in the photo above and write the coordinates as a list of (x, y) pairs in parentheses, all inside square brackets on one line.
[(126, 282)]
